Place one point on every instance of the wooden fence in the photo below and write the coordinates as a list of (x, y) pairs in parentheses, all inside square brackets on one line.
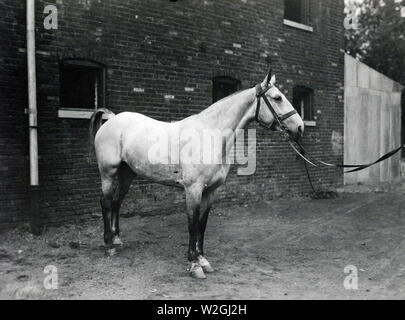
[(372, 122)]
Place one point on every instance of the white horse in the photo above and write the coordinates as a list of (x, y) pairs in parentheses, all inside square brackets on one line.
[(122, 148)]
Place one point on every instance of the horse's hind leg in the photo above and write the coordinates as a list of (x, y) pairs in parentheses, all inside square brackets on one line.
[(109, 187), (125, 176)]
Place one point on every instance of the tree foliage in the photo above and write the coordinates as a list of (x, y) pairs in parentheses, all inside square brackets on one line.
[(378, 40)]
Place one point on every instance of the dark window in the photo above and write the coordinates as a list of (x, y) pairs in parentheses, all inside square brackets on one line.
[(303, 100), (223, 87), (297, 10), (81, 84)]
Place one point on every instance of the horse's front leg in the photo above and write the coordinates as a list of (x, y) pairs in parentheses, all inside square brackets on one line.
[(193, 207), (206, 203)]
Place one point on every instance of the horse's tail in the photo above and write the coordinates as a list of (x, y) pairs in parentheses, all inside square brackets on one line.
[(96, 121)]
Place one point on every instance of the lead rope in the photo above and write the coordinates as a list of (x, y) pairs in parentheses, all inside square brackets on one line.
[(309, 178), (318, 194)]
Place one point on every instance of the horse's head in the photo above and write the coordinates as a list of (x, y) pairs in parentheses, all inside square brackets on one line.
[(277, 109)]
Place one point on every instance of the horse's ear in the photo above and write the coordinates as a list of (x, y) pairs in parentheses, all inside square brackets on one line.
[(269, 76), (273, 80), (267, 80)]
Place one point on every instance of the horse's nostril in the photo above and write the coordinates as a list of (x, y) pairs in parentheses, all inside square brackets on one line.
[(300, 130)]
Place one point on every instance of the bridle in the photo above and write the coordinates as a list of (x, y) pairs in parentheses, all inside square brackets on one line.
[(278, 118)]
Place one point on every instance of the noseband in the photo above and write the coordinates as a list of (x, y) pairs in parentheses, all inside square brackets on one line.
[(278, 118)]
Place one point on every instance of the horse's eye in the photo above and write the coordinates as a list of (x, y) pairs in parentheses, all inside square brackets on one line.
[(278, 98)]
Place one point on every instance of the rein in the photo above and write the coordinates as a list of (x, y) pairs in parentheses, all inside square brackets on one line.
[(318, 194), (299, 149)]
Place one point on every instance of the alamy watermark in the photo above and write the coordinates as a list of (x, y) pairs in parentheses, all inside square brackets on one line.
[(351, 281), (51, 20), (204, 147), (351, 20), (51, 278)]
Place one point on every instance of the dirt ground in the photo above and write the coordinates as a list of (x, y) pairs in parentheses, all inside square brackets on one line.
[(283, 249)]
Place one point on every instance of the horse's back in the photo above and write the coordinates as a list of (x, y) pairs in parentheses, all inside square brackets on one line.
[(126, 135), (125, 123)]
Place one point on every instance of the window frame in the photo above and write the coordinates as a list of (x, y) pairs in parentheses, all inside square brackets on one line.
[(304, 24), (82, 113), (307, 91)]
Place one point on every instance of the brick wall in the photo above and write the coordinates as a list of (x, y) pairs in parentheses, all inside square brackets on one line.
[(162, 47)]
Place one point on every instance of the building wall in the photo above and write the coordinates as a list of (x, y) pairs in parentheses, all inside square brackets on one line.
[(163, 47), (372, 122)]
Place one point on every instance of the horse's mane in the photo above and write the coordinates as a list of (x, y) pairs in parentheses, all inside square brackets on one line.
[(222, 102)]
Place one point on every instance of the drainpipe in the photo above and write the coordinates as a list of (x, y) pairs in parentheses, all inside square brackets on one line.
[(32, 120)]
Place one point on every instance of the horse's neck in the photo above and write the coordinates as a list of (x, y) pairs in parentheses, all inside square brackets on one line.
[(230, 115), (234, 112)]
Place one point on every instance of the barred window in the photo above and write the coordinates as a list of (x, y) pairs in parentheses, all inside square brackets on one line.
[(81, 84), (223, 87)]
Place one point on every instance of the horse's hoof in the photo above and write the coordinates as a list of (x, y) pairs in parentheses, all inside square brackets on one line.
[(197, 272), (205, 265), (208, 269), (117, 242)]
